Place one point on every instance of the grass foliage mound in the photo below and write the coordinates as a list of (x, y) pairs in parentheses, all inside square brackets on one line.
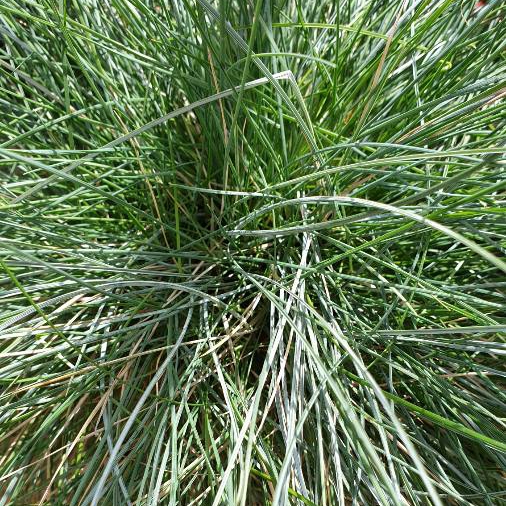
[(251, 252)]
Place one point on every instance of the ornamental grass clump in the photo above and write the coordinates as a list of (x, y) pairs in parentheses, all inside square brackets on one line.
[(252, 253)]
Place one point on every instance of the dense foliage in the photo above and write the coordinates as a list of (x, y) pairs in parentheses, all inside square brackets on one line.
[(250, 252)]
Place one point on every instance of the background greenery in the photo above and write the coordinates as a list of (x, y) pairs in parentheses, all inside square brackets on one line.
[(251, 252)]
